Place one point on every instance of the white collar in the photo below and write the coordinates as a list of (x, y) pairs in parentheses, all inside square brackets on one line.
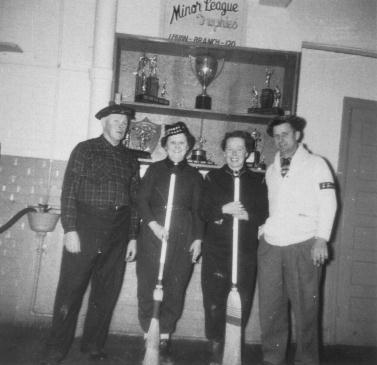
[(299, 156)]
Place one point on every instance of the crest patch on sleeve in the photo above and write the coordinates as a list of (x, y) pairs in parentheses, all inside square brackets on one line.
[(326, 185)]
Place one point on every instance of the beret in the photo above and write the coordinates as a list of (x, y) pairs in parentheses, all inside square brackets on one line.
[(176, 128), (116, 109)]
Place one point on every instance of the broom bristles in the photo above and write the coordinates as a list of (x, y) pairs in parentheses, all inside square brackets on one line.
[(152, 353), (232, 346)]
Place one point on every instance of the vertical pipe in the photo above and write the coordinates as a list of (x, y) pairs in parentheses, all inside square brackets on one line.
[(101, 72)]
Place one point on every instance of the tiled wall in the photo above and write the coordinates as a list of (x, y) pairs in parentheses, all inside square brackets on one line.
[(23, 182)]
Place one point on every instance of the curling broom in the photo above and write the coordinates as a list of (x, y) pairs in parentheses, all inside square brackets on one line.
[(232, 346), (151, 356)]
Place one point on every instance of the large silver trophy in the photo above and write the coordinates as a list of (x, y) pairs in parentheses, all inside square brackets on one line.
[(205, 68)]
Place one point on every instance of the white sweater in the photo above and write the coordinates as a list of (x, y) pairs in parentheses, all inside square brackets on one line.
[(303, 203)]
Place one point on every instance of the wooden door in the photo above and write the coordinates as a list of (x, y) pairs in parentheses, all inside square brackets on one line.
[(356, 253)]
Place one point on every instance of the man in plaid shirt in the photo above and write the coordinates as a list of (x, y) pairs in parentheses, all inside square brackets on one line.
[(98, 217)]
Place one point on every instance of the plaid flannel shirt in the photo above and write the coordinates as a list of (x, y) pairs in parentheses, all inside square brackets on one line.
[(100, 175)]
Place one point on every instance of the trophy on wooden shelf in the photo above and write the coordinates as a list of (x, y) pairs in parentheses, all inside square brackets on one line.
[(164, 89), (277, 97), (141, 76), (152, 79), (199, 155), (254, 160), (254, 99), (267, 94), (205, 68), (147, 82), (268, 101)]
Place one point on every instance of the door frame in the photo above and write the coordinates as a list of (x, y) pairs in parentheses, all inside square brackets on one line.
[(349, 104)]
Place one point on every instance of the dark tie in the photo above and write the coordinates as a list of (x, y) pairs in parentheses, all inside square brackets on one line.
[(284, 165)]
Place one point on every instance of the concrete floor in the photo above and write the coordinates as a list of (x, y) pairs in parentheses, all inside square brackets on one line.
[(22, 346)]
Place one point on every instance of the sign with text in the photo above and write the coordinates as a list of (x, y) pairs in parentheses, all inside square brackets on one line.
[(206, 22)]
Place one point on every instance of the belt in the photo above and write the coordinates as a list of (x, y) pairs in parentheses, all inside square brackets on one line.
[(110, 209)]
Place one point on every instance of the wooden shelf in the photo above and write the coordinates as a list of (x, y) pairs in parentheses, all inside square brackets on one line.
[(200, 113), (252, 61), (258, 56), (202, 167)]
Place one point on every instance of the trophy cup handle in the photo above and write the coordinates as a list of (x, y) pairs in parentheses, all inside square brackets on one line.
[(192, 68), (222, 60)]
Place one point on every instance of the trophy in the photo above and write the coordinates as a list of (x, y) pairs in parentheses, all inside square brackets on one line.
[(142, 137), (199, 155), (152, 80), (267, 94), (141, 76), (269, 99), (254, 160), (205, 68), (277, 97), (164, 89), (254, 99), (147, 82)]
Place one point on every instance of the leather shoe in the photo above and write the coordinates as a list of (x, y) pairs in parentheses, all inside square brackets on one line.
[(94, 354), (52, 357), (97, 356), (165, 352)]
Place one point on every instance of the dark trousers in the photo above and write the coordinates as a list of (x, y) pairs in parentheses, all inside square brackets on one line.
[(103, 238), (177, 274), (216, 284), (287, 275)]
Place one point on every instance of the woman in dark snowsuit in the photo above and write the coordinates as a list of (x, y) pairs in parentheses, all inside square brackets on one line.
[(218, 209), (185, 235)]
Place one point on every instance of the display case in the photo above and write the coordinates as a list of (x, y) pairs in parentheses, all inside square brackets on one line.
[(231, 92), (163, 81)]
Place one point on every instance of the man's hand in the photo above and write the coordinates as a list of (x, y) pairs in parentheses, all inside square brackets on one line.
[(319, 251), (236, 209), (71, 242), (196, 249), (159, 231), (131, 250)]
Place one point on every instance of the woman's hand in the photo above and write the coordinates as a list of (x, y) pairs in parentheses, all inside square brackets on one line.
[(236, 209), (196, 250), (159, 231)]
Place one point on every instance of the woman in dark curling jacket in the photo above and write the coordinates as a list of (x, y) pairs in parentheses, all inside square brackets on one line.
[(218, 210), (185, 235)]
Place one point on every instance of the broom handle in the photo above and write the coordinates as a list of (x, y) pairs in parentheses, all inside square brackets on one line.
[(169, 208), (235, 231)]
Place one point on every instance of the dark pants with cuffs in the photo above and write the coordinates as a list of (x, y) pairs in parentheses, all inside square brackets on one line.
[(103, 237), (287, 275), (216, 285), (177, 271)]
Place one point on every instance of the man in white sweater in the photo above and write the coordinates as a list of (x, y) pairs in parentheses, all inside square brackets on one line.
[(293, 246)]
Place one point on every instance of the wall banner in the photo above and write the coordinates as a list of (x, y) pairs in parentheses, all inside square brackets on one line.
[(207, 22)]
